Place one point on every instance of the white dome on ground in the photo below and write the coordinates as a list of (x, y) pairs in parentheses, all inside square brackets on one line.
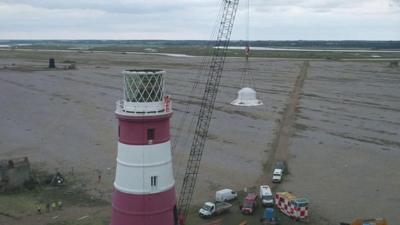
[(247, 97)]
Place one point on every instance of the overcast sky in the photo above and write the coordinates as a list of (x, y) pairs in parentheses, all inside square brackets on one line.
[(194, 19)]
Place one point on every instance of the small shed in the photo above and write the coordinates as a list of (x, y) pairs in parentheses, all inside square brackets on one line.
[(14, 173)]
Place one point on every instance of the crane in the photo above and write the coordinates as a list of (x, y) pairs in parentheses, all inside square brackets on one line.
[(229, 9)]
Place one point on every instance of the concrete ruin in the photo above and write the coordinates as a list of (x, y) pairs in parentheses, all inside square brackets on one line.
[(14, 173)]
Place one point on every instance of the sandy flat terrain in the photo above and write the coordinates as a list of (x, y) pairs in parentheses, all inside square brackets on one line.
[(344, 154)]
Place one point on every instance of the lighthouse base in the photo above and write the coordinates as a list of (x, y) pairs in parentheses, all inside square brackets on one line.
[(149, 209)]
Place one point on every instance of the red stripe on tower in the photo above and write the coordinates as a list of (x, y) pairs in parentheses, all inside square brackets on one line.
[(144, 187), (131, 129)]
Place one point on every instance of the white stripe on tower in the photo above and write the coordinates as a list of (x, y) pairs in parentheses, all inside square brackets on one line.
[(139, 164)]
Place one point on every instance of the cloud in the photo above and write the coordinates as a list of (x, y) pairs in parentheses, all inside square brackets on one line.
[(117, 6), (194, 19)]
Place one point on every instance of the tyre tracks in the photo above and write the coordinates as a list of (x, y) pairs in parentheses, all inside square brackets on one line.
[(279, 149)]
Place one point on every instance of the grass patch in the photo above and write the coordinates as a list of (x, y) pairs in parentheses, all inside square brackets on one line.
[(19, 204), (95, 219), (25, 202)]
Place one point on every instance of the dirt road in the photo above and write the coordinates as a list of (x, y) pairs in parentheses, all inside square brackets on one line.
[(280, 144)]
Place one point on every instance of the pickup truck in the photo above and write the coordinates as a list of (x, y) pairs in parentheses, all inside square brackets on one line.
[(214, 208)]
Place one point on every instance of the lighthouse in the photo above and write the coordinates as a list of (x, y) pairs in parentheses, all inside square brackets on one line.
[(144, 186)]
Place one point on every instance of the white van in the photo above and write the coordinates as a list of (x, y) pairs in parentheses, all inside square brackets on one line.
[(266, 195), (225, 195), (277, 176)]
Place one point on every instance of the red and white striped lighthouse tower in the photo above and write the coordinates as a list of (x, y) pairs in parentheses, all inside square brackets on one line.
[(144, 191)]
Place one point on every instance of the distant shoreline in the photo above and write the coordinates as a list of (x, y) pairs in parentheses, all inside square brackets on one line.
[(287, 45), (234, 52), (314, 50)]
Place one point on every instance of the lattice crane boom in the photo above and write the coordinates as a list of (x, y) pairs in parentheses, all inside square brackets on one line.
[(207, 104)]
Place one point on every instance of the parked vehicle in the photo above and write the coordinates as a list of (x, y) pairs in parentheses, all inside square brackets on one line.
[(249, 204), (270, 217), (214, 208), (290, 205), (266, 197), (280, 165), (277, 176), (225, 195), (376, 221)]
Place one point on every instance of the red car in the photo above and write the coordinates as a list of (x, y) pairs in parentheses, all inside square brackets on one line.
[(249, 204)]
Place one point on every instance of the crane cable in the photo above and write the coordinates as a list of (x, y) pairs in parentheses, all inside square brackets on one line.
[(246, 78)]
